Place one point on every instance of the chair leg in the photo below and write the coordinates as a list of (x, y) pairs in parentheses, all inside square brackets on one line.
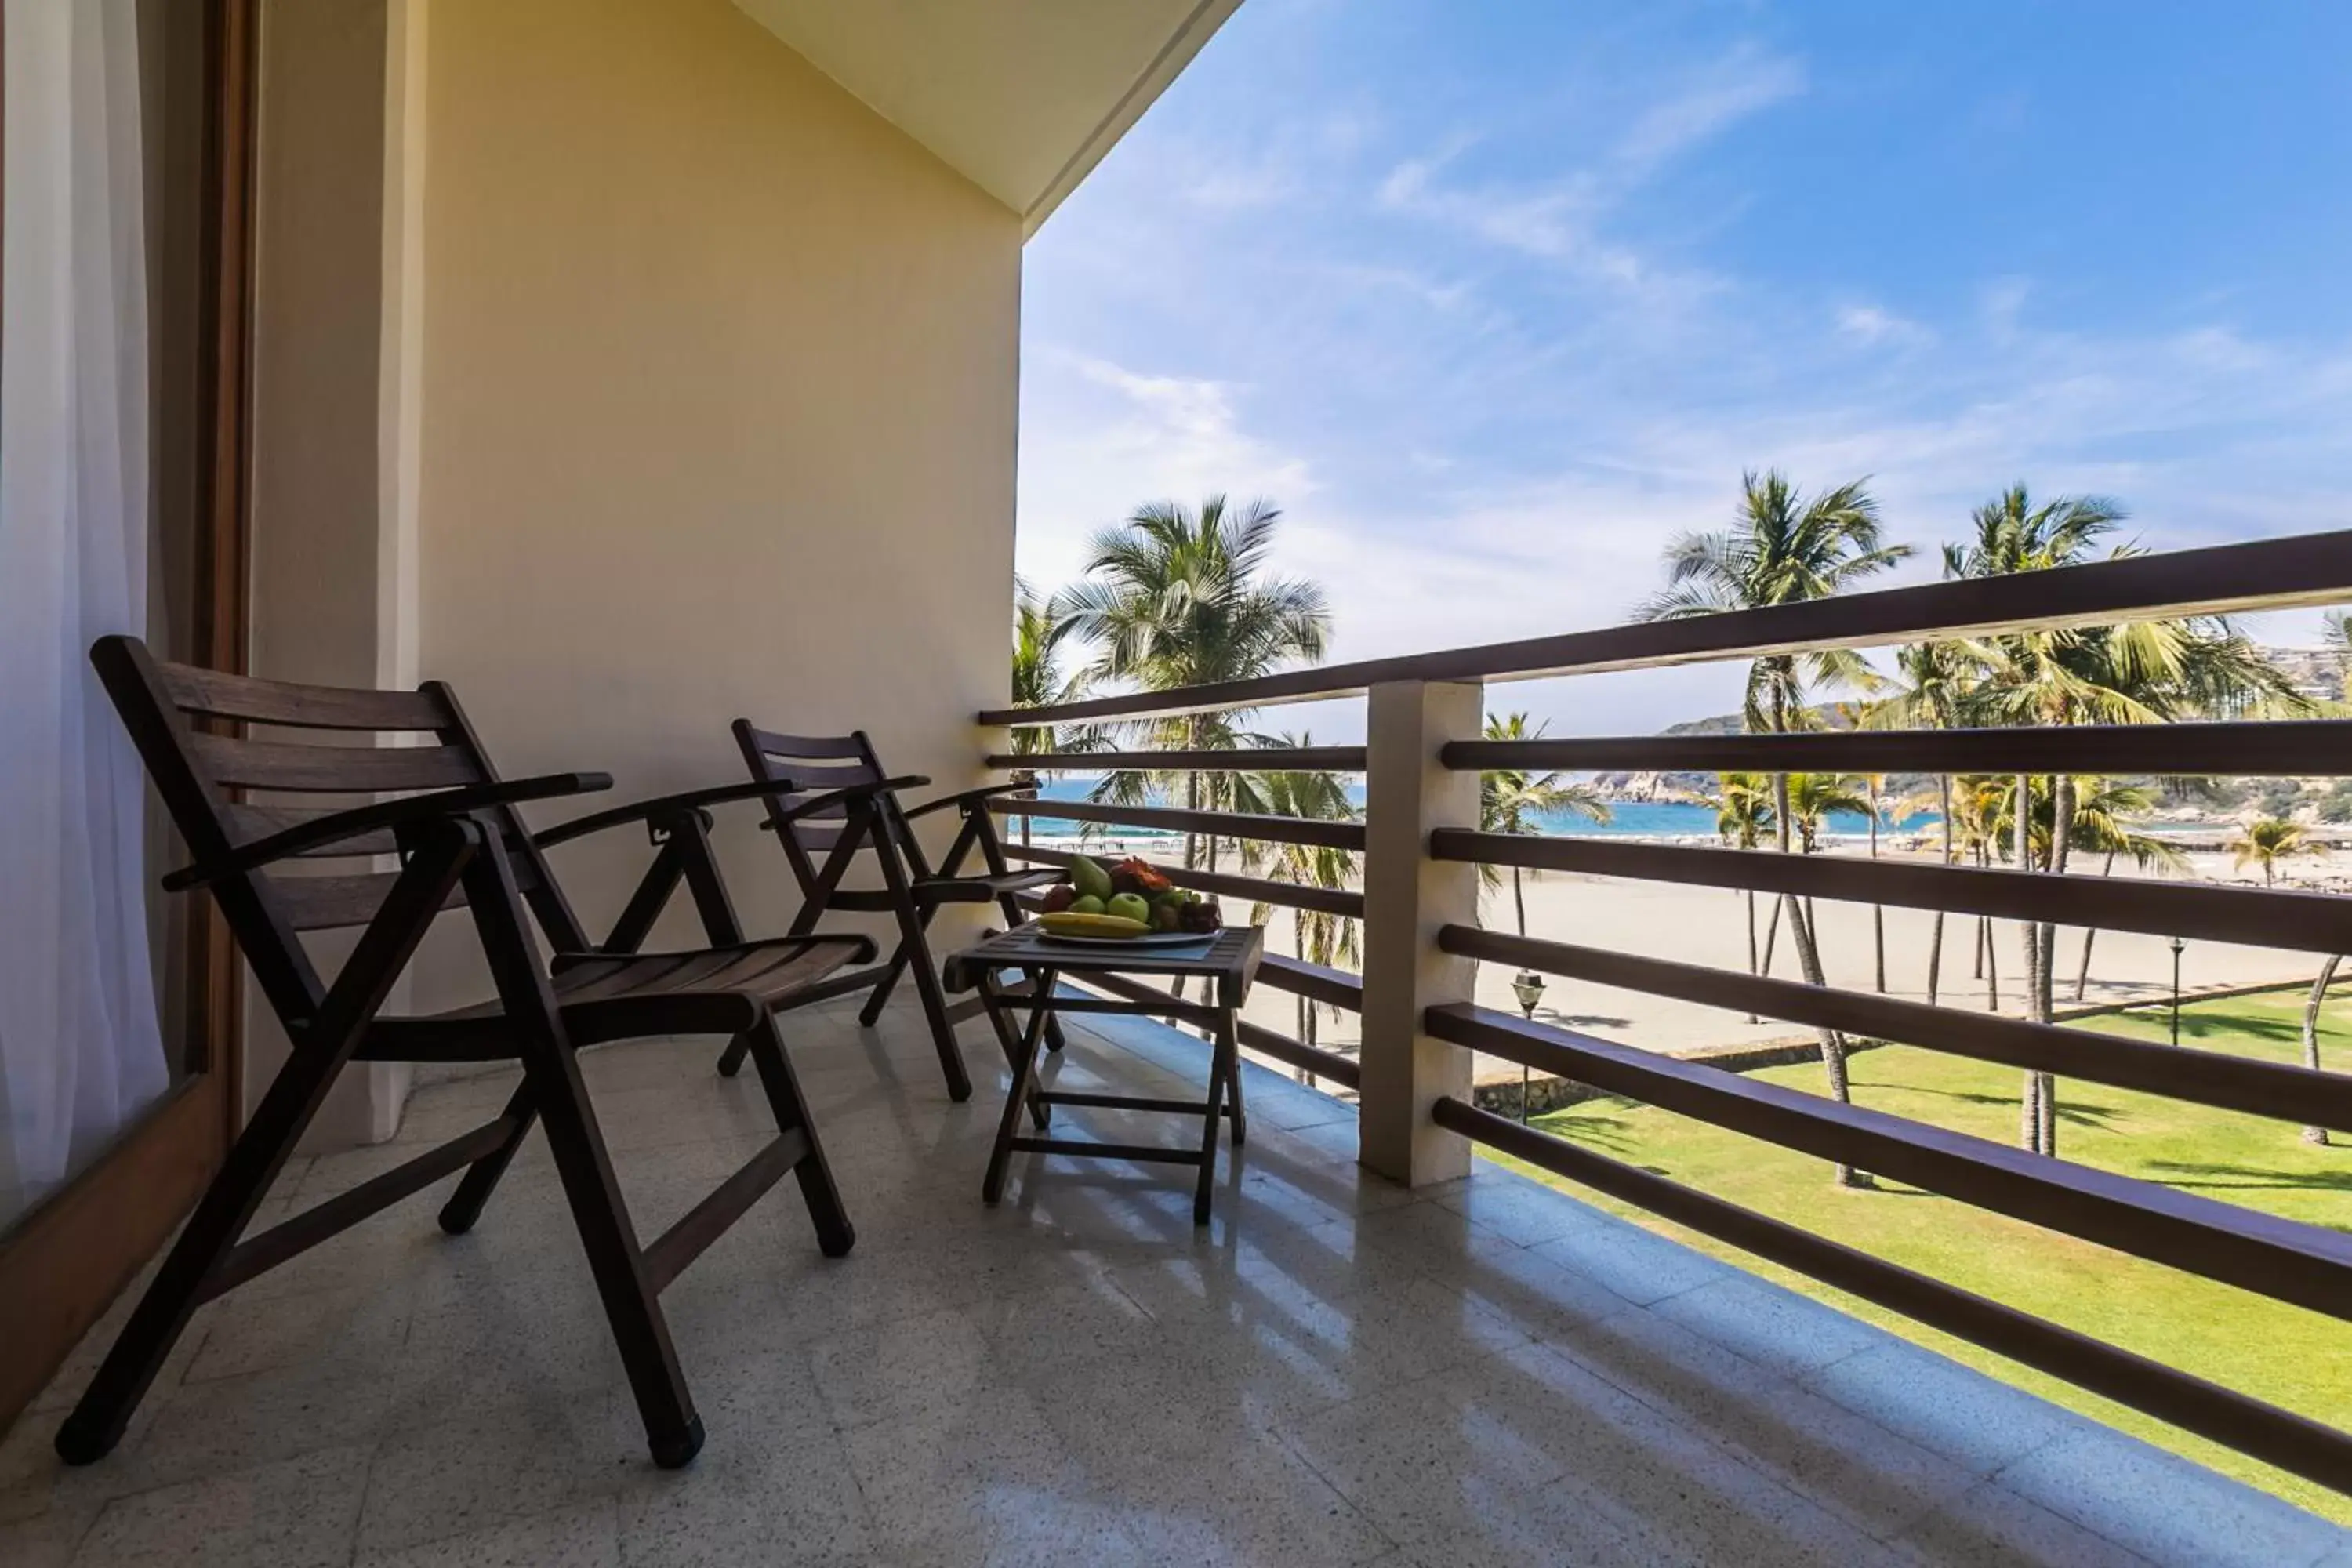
[(552, 1078), (673, 1431), (879, 997), (730, 1060), (105, 1408), (835, 1234), (438, 854), (481, 1178), (914, 953), (935, 1012)]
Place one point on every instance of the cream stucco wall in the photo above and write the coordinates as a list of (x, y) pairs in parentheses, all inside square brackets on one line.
[(718, 391)]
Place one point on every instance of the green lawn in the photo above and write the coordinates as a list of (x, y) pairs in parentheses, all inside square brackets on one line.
[(2286, 1354)]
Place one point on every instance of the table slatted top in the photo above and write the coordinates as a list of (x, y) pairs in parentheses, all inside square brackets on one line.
[(1231, 955)]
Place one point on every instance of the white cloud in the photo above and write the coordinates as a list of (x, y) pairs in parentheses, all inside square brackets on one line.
[(1560, 220), (1099, 440), (1742, 83), (1875, 326)]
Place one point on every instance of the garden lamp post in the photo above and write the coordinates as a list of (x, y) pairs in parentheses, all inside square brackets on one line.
[(1529, 987), (2177, 945)]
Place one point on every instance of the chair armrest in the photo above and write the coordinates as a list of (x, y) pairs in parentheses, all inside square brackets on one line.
[(379, 814), (970, 797), (832, 797), (660, 805)]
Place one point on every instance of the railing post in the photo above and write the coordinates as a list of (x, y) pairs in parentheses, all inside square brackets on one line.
[(1407, 897)]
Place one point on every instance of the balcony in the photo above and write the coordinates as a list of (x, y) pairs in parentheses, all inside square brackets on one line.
[(1338, 1370)]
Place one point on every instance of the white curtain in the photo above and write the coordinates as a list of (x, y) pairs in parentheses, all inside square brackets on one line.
[(81, 1049)]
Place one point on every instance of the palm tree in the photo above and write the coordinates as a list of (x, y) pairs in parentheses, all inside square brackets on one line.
[(2266, 841), (2104, 811), (1319, 937), (1814, 799), (1178, 597), (1743, 816), (1512, 800), (1933, 681), (1038, 631), (1785, 549), (1977, 804), (2135, 673)]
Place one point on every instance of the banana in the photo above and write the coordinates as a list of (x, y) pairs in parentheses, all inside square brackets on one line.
[(1068, 924)]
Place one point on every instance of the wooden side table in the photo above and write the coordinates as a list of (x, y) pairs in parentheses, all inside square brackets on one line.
[(1225, 963)]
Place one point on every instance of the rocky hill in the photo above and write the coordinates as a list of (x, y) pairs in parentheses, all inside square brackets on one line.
[(2317, 673)]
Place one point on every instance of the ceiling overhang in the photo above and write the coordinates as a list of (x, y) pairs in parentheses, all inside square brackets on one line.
[(1022, 97)]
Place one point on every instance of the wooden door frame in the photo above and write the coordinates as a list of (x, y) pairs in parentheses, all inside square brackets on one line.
[(66, 1261)]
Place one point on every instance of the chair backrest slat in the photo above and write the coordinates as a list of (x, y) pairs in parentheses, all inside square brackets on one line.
[(248, 698), (173, 712), (233, 763), (814, 763)]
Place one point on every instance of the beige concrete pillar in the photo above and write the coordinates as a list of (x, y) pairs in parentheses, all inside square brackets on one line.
[(336, 346), (1407, 897)]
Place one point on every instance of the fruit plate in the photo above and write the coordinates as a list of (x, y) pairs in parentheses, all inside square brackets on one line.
[(1148, 939)]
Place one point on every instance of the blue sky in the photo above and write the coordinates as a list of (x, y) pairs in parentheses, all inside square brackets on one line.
[(1494, 298)]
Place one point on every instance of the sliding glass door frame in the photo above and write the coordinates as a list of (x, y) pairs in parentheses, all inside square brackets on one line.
[(64, 1262)]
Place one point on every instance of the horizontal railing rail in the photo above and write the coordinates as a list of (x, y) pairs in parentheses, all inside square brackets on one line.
[(2310, 748), (2294, 1443), (2260, 917), (2303, 1264), (1178, 819), (2312, 569), (1345, 902), (1261, 759), (2276, 1090)]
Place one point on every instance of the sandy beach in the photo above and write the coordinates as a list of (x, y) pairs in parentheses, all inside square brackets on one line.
[(1706, 925)]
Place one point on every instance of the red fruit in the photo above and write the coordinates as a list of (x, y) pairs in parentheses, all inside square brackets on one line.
[(1058, 898)]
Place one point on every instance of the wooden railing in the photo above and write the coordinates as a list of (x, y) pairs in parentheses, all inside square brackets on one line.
[(1419, 902)]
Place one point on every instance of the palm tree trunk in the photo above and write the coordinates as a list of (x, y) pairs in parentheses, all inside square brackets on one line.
[(1519, 898), (1771, 936), (1192, 803), (1752, 968), (1809, 960), (1877, 911), (2030, 1102), (2090, 934), (1935, 928), (1935, 953), (2311, 1035), (2062, 829)]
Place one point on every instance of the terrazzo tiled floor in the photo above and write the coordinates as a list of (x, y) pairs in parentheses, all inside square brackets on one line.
[(1337, 1372)]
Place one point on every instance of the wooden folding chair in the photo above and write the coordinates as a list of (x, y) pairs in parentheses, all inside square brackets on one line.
[(824, 843), (459, 842)]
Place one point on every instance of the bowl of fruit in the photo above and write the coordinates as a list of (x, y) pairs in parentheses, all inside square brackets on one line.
[(1129, 902)]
